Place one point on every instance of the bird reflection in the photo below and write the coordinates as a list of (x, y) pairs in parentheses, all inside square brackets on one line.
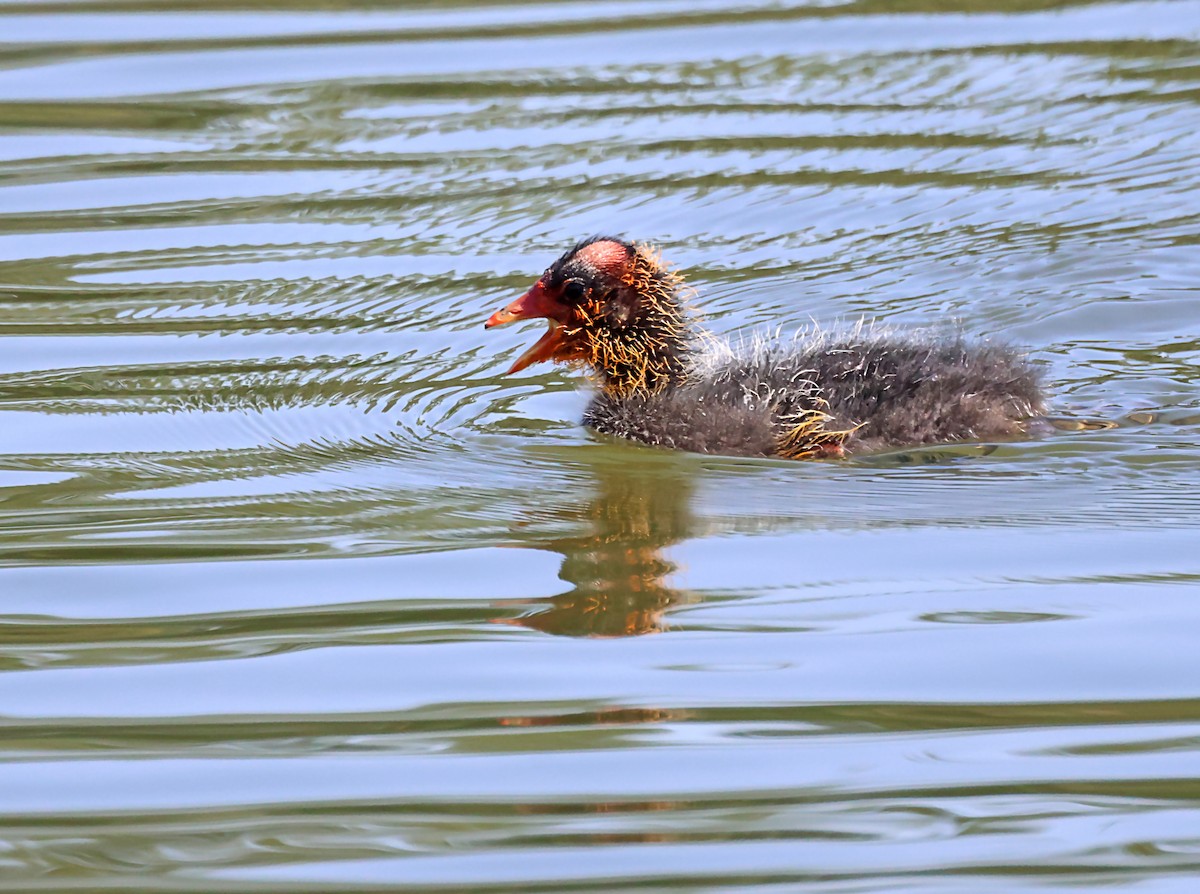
[(618, 570)]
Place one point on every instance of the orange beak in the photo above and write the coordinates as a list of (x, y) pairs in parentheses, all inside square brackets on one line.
[(534, 304)]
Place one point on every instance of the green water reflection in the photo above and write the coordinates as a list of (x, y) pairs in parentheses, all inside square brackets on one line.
[(298, 592)]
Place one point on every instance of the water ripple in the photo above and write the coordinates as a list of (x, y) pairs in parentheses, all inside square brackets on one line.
[(300, 592)]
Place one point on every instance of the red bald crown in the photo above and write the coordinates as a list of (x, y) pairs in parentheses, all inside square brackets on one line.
[(606, 256)]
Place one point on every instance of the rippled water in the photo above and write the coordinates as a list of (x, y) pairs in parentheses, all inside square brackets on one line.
[(298, 592)]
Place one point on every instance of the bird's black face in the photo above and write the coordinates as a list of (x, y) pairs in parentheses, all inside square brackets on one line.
[(587, 290), (596, 277), (613, 308)]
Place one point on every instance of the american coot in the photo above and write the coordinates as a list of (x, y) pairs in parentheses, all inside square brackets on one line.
[(616, 309)]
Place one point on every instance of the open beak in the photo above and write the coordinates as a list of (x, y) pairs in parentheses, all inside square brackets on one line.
[(532, 305)]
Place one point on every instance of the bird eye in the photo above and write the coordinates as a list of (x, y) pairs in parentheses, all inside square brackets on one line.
[(573, 290)]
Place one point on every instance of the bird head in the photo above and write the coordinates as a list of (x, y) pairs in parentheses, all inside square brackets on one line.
[(610, 305)]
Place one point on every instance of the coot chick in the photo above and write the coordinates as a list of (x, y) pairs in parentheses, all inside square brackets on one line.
[(614, 308)]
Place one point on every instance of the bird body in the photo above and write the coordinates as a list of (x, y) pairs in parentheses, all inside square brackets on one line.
[(615, 309)]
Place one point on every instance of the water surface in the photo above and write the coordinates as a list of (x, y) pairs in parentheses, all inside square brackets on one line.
[(299, 592)]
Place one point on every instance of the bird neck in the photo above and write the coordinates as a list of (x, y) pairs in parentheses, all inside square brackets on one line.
[(644, 347)]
